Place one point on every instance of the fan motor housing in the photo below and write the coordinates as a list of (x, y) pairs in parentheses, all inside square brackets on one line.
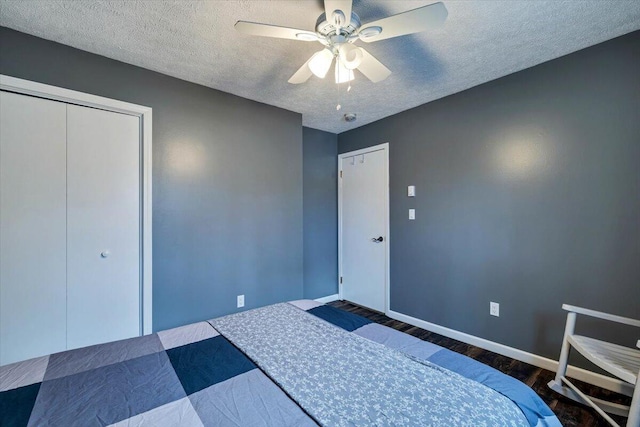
[(327, 29)]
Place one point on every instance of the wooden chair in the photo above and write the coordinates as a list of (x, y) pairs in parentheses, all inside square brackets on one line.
[(621, 362)]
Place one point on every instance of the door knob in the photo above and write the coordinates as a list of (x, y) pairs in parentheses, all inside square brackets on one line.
[(104, 254), (378, 240)]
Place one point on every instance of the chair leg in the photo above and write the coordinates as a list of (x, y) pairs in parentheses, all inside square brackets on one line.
[(634, 409), (564, 353)]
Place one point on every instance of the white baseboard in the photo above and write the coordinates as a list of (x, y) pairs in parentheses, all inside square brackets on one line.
[(328, 298), (514, 353)]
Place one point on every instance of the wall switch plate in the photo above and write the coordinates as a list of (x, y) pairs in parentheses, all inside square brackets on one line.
[(240, 301), (412, 214), (494, 309), (411, 191)]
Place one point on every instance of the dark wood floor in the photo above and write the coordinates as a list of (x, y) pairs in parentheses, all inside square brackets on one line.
[(569, 412)]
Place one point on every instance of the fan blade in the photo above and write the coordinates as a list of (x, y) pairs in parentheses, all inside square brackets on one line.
[(413, 21), (302, 75), (373, 69), (266, 30), (343, 5), (304, 72)]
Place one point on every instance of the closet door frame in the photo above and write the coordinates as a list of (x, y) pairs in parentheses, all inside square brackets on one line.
[(26, 87)]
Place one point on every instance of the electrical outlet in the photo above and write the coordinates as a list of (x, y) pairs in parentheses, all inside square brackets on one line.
[(240, 301), (494, 309), (412, 214)]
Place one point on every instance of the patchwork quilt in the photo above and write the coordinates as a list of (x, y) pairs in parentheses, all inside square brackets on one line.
[(188, 376), (196, 376)]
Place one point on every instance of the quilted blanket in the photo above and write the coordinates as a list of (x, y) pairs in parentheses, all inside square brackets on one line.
[(188, 376), (342, 379), (534, 409)]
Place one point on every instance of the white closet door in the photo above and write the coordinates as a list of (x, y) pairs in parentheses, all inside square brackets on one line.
[(32, 227), (103, 220)]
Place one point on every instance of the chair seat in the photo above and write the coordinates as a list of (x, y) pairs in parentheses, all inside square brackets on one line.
[(623, 362)]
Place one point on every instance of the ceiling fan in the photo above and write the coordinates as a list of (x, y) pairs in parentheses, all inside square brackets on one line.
[(338, 27)]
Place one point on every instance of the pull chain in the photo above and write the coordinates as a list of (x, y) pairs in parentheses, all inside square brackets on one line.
[(338, 69)]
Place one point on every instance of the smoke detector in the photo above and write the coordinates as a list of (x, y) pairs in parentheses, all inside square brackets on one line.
[(350, 117)]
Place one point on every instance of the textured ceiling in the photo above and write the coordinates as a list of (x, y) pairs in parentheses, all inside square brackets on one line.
[(196, 41)]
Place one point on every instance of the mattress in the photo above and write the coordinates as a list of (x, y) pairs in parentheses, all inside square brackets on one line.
[(291, 364)]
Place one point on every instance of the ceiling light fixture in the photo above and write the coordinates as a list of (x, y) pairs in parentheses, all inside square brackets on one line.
[(338, 27)]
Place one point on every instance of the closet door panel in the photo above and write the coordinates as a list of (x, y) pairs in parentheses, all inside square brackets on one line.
[(103, 212), (32, 227)]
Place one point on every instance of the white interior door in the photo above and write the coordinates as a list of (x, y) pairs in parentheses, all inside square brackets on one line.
[(103, 220), (32, 227), (364, 227)]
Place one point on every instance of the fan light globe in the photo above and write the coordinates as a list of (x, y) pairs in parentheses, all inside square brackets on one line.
[(321, 62), (350, 56)]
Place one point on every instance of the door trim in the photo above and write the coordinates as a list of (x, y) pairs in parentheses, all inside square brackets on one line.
[(384, 147), (26, 87)]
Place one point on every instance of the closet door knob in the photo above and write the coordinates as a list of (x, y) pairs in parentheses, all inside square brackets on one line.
[(104, 254)]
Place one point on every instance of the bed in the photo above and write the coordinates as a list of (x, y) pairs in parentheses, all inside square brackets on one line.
[(291, 364)]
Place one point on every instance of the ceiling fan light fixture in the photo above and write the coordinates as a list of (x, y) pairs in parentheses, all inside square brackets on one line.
[(369, 32), (350, 56), (343, 74), (321, 62), (338, 27)]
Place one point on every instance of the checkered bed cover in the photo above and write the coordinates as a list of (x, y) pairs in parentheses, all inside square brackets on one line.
[(188, 376), (193, 376)]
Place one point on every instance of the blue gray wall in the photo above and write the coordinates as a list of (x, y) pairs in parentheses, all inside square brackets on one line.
[(320, 165), (227, 181), (528, 194)]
